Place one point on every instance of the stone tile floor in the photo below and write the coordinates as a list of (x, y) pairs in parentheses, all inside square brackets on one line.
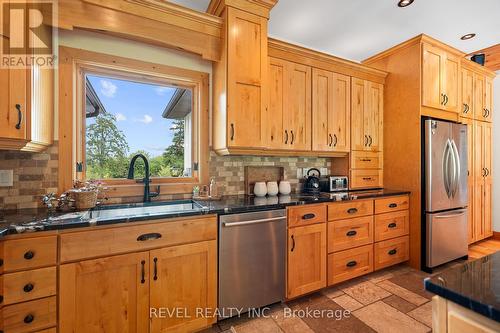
[(390, 300)]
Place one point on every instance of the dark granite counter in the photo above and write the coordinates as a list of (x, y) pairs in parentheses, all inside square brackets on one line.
[(30, 220), (474, 285)]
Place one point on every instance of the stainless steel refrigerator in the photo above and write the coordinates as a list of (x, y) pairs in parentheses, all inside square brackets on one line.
[(446, 197)]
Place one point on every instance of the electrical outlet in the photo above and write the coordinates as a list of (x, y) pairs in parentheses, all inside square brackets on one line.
[(6, 178)]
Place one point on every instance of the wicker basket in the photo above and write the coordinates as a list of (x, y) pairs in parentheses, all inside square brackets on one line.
[(85, 199)]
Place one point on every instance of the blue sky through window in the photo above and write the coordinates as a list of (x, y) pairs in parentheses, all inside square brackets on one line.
[(138, 108)]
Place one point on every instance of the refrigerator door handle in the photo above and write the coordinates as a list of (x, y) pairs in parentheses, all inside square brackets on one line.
[(451, 215), (446, 168), (456, 158)]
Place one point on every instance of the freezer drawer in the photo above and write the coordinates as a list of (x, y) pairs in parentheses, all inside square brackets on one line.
[(446, 236)]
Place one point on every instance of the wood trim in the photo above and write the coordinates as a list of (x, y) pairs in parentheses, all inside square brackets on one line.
[(73, 61), (492, 53), (305, 56), (475, 67), (152, 21), (271, 152), (257, 7)]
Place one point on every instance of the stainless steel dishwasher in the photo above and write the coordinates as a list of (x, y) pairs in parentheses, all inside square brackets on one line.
[(252, 254)]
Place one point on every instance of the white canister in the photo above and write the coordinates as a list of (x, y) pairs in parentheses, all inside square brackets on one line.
[(285, 187), (272, 188), (260, 189)]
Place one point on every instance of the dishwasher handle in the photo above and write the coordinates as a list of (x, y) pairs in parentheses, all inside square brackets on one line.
[(235, 224)]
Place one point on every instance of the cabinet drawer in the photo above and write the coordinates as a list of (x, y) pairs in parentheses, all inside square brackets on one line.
[(391, 225), (361, 179), (349, 264), (391, 204), (116, 240), (391, 252), (29, 253), (366, 160), (305, 215), (346, 234), (29, 316), (345, 210), (27, 285)]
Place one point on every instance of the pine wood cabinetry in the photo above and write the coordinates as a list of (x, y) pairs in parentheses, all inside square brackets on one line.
[(467, 110), (483, 91), (331, 113), (288, 120), (440, 78)]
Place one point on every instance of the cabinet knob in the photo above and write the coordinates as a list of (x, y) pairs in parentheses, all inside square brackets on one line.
[(29, 318), (351, 263), (352, 211), (393, 205), (392, 252), (29, 255), (392, 225), (28, 287), (351, 233)]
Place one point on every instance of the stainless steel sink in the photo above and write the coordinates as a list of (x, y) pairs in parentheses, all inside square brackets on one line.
[(144, 210)]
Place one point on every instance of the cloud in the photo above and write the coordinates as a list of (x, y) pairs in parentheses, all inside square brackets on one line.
[(120, 117), (108, 89), (146, 119), (160, 91)]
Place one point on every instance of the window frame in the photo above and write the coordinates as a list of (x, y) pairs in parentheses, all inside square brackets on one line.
[(74, 65)]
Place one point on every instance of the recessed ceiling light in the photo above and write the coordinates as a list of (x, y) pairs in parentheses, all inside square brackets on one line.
[(404, 3), (468, 36)]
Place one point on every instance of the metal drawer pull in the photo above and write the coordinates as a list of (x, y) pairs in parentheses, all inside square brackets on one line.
[(29, 318), (286, 136), (367, 178), (392, 225), (234, 224), (293, 137), (336, 140), (146, 237), (308, 216), (155, 274), (19, 115), (232, 132), (351, 233), (392, 252), (29, 287), (29, 255), (365, 160), (293, 244), (143, 272), (352, 210), (393, 205), (331, 140), (351, 263), (366, 140)]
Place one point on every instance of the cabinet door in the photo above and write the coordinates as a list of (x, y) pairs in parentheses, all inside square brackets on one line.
[(470, 179), (297, 115), (432, 69), (359, 139), (322, 105), (14, 105), (488, 180), (275, 132), (247, 65), (184, 278), (105, 295), (306, 259), (467, 107), (339, 119), (373, 115), (479, 180), (488, 98), (479, 85), (450, 84)]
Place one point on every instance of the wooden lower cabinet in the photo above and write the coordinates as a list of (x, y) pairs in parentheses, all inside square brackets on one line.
[(184, 277), (306, 259), (391, 252), (348, 264), (105, 295)]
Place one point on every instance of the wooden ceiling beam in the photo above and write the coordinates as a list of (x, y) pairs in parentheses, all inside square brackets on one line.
[(492, 57)]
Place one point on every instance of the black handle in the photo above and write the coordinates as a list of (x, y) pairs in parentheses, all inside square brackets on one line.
[(367, 178), (392, 252), (336, 140), (366, 140), (286, 136), (351, 233), (293, 244), (155, 270), (308, 216), (143, 272), (1, 299), (393, 205), (293, 137), (29, 255), (445, 99), (352, 211), (351, 263), (232, 131), (19, 116), (487, 113), (29, 318), (442, 102), (484, 173), (146, 237), (391, 225), (1, 262), (487, 172), (365, 160), (331, 140), (28, 287), (371, 140)]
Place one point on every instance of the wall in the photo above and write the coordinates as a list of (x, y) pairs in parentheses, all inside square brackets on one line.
[(496, 153)]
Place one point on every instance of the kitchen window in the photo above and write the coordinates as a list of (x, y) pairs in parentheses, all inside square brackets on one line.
[(124, 107)]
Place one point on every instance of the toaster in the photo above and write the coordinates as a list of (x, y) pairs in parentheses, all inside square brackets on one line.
[(334, 184)]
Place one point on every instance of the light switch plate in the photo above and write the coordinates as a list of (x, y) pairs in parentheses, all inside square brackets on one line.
[(6, 178)]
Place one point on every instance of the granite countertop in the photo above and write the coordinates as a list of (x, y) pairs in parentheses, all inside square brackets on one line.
[(30, 220), (474, 285)]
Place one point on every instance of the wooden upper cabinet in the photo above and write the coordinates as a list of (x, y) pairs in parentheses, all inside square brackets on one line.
[(184, 276), (331, 105), (440, 79), (467, 107), (275, 130), (306, 259), (105, 295), (367, 110), (488, 99), (479, 93)]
